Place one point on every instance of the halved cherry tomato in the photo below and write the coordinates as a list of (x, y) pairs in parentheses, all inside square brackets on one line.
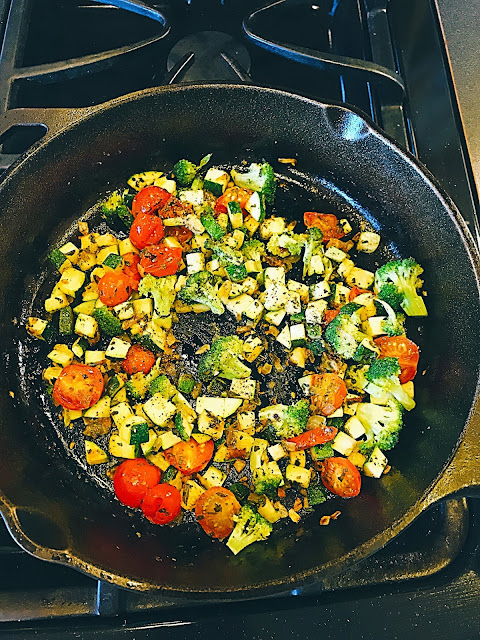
[(326, 222), (138, 359), (214, 511), (162, 503), (160, 260), (329, 315), (130, 268), (356, 291), (190, 457), (310, 438), (132, 480), (341, 477), (149, 200), (78, 387), (146, 229), (114, 288), (405, 350), (182, 234), (328, 391), (233, 194)]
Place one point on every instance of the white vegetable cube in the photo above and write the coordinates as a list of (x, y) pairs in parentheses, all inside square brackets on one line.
[(345, 267), (246, 421), (320, 290), (117, 348), (120, 413), (94, 357), (272, 226), (344, 443), (219, 176), (221, 407), (274, 275), (376, 464), (316, 265), (342, 294), (212, 477), (284, 337), (336, 254), (159, 409), (294, 304), (368, 241), (86, 326), (360, 278), (300, 288), (195, 262), (244, 388), (276, 297), (168, 439), (191, 492), (275, 317), (71, 281), (276, 452), (193, 197), (254, 311), (315, 311), (297, 474), (354, 427), (211, 425), (256, 206), (61, 355), (374, 326), (346, 226), (338, 413)]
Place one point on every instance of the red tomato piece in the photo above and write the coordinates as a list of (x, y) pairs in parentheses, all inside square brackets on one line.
[(329, 315), (138, 359), (405, 350), (114, 288), (146, 229), (132, 480), (233, 194), (312, 437), (182, 234), (214, 511), (190, 457), (130, 268), (341, 477), (326, 222), (356, 291), (162, 503), (149, 200), (328, 391), (78, 387), (160, 260)]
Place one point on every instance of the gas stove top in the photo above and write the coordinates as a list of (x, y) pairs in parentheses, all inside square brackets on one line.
[(387, 59)]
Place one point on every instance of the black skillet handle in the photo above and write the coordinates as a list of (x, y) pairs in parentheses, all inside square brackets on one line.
[(52, 120), (462, 475)]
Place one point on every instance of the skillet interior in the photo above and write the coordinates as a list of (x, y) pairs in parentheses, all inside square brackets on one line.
[(343, 166)]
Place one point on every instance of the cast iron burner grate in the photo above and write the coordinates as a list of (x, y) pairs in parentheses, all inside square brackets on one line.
[(390, 64)]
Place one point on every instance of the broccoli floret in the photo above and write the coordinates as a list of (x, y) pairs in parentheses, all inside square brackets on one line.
[(322, 451), (393, 325), (250, 527), (115, 208), (258, 177), (267, 479), (404, 276), (288, 421), (253, 249), (201, 287), (286, 244), (185, 171), (316, 494), (108, 323), (356, 377), (383, 377), (162, 290), (223, 359), (382, 425), (163, 386), (343, 334), (313, 247), (186, 383), (224, 253), (137, 386)]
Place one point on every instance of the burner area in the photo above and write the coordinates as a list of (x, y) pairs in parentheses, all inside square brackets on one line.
[(385, 58)]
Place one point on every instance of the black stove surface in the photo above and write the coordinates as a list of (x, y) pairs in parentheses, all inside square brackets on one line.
[(58, 53)]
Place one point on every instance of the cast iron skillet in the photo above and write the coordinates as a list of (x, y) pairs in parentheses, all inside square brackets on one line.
[(55, 509)]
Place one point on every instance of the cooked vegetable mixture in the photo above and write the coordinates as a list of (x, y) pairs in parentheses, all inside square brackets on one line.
[(201, 241)]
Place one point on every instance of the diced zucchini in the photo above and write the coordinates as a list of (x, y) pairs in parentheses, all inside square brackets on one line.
[(93, 357), (305, 384), (272, 226), (300, 288), (86, 326), (268, 511), (117, 348), (276, 296), (186, 383), (192, 196), (294, 303), (258, 453), (191, 492), (315, 311), (216, 181), (65, 321), (140, 180), (39, 328), (341, 295), (120, 413), (316, 265), (368, 241), (344, 443), (101, 409), (57, 301), (159, 409), (250, 224), (221, 407), (376, 464), (212, 477), (71, 281), (239, 306), (252, 348), (297, 334), (346, 226), (195, 262), (158, 459), (94, 454), (57, 258), (284, 337), (134, 430), (301, 475), (299, 357), (125, 246), (168, 439), (276, 452), (298, 458), (275, 317), (121, 449), (61, 355), (246, 421), (319, 290), (87, 308), (50, 374), (254, 311), (335, 254), (244, 388), (114, 384), (354, 427), (256, 206), (240, 440), (360, 278), (235, 214), (112, 261)]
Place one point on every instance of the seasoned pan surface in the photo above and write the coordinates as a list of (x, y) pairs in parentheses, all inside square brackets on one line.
[(59, 509)]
